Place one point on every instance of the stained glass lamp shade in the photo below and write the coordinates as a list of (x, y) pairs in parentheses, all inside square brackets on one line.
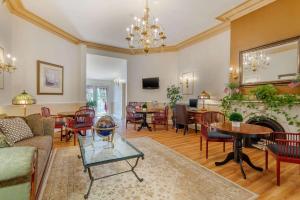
[(23, 99)]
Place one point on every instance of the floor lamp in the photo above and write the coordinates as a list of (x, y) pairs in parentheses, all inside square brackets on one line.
[(23, 99)]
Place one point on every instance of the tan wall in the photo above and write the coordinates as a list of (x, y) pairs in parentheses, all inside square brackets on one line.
[(274, 22)]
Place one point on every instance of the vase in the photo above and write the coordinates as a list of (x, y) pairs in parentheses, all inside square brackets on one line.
[(236, 124)]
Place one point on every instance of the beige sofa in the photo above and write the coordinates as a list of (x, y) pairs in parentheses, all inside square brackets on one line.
[(43, 130)]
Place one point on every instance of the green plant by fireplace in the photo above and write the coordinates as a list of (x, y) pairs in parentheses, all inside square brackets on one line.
[(268, 96)]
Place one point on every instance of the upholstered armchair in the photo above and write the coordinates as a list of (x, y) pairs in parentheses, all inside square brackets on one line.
[(284, 147), (83, 121), (132, 117)]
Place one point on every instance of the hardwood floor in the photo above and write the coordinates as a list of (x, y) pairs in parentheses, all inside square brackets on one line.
[(262, 183)]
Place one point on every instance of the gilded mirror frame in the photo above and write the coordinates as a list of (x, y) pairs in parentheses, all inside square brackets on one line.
[(274, 44)]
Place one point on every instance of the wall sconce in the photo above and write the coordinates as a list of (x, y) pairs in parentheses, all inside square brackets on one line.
[(234, 73), (9, 65)]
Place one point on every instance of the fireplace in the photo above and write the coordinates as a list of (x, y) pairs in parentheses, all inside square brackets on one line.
[(262, 121)]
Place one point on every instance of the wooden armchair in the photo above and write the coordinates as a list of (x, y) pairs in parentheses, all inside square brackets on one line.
[(132, 117), (182, 118), (59, 120), (83, 121), (161, 118), (284, 147), (213, 136)]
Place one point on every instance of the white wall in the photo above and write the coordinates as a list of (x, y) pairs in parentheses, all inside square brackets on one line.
[(209, 60), (29, 43)]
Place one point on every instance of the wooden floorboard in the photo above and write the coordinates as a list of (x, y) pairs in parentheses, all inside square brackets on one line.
[(262, 183)]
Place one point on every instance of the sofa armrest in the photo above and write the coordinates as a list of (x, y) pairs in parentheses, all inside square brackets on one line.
[(49, 125)]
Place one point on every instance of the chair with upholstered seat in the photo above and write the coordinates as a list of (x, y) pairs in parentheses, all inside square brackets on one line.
[(83, 121), (284, 147), (182, 118), (132, 117), (161, 118), (59, 120), (210, 135)]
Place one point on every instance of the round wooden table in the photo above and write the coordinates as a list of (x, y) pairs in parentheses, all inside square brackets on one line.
[(239, 133), (144, 119)]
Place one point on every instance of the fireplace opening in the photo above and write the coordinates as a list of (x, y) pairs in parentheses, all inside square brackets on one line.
[(258, 141)]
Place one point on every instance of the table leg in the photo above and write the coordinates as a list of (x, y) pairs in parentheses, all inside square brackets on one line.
[(238, 156), (91, 183), (144, 123)]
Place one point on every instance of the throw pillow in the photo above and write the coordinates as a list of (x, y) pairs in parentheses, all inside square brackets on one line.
[(15, 129), (35, 123), (4, 142)]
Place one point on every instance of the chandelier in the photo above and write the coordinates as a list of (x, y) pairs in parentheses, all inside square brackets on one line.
[(255, 60), (146, 32), (10, 65)]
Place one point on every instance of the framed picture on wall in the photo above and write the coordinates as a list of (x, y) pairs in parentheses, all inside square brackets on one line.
[(1, 71), (50, 78)]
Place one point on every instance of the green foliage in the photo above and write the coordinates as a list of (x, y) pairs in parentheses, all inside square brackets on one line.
[(233, 85), (269, 98), (144, 105), (236, 117), (264, 92), (91, 103), (173, 94)]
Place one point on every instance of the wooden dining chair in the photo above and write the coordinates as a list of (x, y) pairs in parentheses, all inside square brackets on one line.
[(161, 118), (83, 121), (213, 136), (284, 147), (182, 118), (59, 120), (132, 117)]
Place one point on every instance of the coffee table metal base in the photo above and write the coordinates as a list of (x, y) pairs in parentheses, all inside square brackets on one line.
[(92, 179), (238, 156)]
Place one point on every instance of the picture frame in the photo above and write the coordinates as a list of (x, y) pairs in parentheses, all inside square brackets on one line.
[(50, 78), (1, 71)]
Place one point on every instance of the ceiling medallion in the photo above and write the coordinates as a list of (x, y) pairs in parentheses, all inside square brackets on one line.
[(146, 32)]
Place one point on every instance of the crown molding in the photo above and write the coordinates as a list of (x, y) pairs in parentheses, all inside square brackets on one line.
[(16, 7), (243, 9)]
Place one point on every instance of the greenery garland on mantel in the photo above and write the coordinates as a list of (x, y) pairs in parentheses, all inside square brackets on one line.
[(265, 96)]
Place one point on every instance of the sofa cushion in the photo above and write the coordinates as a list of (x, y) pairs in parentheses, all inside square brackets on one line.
[(16, 162), (4, 141), (35, 122), (15, 129), (40, 142)]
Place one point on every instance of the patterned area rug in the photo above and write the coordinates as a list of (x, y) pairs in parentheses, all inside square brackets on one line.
[(167, 176)]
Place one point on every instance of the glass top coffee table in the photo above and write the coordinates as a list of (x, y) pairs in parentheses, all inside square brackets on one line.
[(95, 151)]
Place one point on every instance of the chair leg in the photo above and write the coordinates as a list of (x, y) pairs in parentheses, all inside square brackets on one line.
[(200, 143), (61, 134), (196, 128), (154, 127), (278, 171), (134, 126), (267, 159), (167, 126), (126, 123), (206, 155), (75, 132), (223, 146)]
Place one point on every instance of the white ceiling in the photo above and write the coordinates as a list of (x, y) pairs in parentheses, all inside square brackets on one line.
[(105, 68), (105, 21)]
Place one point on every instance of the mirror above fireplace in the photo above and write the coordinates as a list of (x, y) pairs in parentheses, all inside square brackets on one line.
[(276, 63)]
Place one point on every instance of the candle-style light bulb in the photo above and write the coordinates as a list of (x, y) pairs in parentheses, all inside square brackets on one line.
[(8, 55)]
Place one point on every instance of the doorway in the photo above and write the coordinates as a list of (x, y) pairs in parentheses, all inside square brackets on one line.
[(100, 96)]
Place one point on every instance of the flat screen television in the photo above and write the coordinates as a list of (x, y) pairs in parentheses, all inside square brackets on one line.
[(151, 83)]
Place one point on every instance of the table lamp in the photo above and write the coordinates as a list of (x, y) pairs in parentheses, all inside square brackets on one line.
[(204, 95), (23, 99)]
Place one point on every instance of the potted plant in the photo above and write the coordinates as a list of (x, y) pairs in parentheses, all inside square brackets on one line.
[(173, 94), (91, 103), (236, 119), (144, 107)]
